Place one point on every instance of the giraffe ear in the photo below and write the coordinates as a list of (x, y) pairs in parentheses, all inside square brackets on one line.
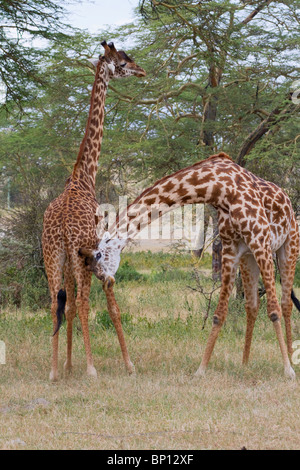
[(89, 257), (94, 62), (87, 254), (112, 68), (122, 243), (106, 237)]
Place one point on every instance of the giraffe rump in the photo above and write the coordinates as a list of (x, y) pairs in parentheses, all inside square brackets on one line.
[(61, 303)]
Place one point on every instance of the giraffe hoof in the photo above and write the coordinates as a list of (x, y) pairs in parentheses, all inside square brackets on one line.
[(200, 372), (290, 373), (91, 372), (131, 369), (53, 376), (67, 367)]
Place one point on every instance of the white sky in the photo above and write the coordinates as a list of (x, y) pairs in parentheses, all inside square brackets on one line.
[(95, 15)]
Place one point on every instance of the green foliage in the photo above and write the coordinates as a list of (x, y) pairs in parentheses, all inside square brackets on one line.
[(104, 321), (174, 327), (23, 281), (149, 260), (127, 272), (21, 23), (297, 276), (153, 126), (166, 274)]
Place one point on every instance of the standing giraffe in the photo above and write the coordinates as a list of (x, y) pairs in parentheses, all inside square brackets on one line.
[(70, 220), (256, 220)]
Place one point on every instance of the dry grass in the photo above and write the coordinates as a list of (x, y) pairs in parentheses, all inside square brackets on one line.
[(163, 406)]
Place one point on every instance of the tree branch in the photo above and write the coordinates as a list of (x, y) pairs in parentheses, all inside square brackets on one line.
[(277, 116), (160, 98), (256, 11)]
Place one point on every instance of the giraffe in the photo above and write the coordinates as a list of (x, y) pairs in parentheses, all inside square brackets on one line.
[(70, 221), (256, 221)]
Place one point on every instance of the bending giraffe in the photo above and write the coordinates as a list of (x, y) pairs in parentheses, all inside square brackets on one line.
[(70, 221), (256, 220)]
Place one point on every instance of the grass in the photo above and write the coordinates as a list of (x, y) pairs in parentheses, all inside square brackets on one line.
[(163, 406)]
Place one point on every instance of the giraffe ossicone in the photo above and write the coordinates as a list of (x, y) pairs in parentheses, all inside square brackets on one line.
[(112, 68)]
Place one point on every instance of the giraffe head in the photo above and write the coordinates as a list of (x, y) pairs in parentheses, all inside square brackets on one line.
[(105, 259), (119, 64)]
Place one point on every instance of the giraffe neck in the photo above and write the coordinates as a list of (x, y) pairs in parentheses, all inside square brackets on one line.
[(86, 165), (199, 183)]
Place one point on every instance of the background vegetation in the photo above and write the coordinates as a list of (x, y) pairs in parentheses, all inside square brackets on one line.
[(219, 77)]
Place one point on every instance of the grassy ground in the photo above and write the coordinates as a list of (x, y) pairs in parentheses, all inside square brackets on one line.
[(163, 406)]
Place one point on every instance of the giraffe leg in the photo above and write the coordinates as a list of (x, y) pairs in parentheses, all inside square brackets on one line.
[(265, 262), (229, 267), (70, 312), (115, 316), (83, 278), (54, 280), (250, 275), (54, 367), (287, 258)]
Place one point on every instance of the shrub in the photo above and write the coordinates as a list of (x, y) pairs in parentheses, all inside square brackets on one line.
[(103, 320), (127, 272)]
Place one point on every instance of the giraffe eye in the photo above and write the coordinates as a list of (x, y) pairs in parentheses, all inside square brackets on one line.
[(123, 65), (98, 256)]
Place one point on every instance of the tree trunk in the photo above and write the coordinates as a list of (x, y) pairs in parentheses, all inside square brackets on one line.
[(210, 108), (210, 103)]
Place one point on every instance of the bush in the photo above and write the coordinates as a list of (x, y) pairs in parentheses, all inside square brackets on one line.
[(169, 274), (150, 260), (23, 282), (127, 272), (103, 320)]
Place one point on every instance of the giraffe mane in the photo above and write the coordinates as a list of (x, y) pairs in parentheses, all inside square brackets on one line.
[(83, 143), (219, 155)]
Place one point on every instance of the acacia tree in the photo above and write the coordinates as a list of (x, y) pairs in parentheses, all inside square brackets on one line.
[(24, 27), (232, 48), (169, 120)]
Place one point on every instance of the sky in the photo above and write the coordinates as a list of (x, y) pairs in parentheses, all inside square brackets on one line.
[(95, 15)]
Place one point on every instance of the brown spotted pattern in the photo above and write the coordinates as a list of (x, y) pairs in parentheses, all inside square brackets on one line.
[(70, 220), (256, 221)]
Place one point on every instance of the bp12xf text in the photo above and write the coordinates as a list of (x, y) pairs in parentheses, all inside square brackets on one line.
[(176, 459)]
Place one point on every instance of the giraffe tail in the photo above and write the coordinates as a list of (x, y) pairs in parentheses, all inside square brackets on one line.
[(61, 303), (295, 300)]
